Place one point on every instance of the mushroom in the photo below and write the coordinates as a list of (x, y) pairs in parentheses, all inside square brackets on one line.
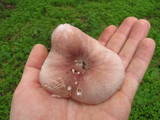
[(80, 68)]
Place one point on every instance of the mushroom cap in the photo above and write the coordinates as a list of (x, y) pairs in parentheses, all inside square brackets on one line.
[(79, 67)]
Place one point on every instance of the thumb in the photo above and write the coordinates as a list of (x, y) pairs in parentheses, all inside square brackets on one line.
[(33, 65)]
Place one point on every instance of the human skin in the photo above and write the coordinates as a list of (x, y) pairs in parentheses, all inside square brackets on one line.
[(31, 102)]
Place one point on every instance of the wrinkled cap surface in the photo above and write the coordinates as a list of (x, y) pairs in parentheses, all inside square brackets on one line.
[(80, 68)]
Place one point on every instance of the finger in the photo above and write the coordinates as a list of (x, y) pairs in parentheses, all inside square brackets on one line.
[(33, 64), (37, 57), (139, 32), (106, 34), (118, 39), (138, 67)]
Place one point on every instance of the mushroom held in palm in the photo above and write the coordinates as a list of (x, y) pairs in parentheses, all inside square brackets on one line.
[(79, 67)]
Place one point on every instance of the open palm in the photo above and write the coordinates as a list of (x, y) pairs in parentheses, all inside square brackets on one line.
[(31, 102)]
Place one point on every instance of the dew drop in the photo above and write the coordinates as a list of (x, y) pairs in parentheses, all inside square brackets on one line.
[(76, 83), (79, 92), (69, 88), (73, 71), (76, 61), (45, 85), (78, 73)]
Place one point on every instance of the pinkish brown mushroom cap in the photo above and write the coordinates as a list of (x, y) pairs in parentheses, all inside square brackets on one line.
[(79, 67)]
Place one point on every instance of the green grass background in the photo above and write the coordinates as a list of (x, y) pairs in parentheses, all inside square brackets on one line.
[(24, 23)]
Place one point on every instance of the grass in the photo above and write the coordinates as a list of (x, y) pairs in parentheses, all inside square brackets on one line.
[(26, 23)]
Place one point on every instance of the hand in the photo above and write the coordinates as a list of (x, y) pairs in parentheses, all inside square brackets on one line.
[(31, 102)]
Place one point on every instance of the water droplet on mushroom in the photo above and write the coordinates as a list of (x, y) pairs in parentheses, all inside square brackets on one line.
[(78, 73), (73, 71), (45, 85), (69, 88), (79, 92), (76, 61), (76, 83)]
